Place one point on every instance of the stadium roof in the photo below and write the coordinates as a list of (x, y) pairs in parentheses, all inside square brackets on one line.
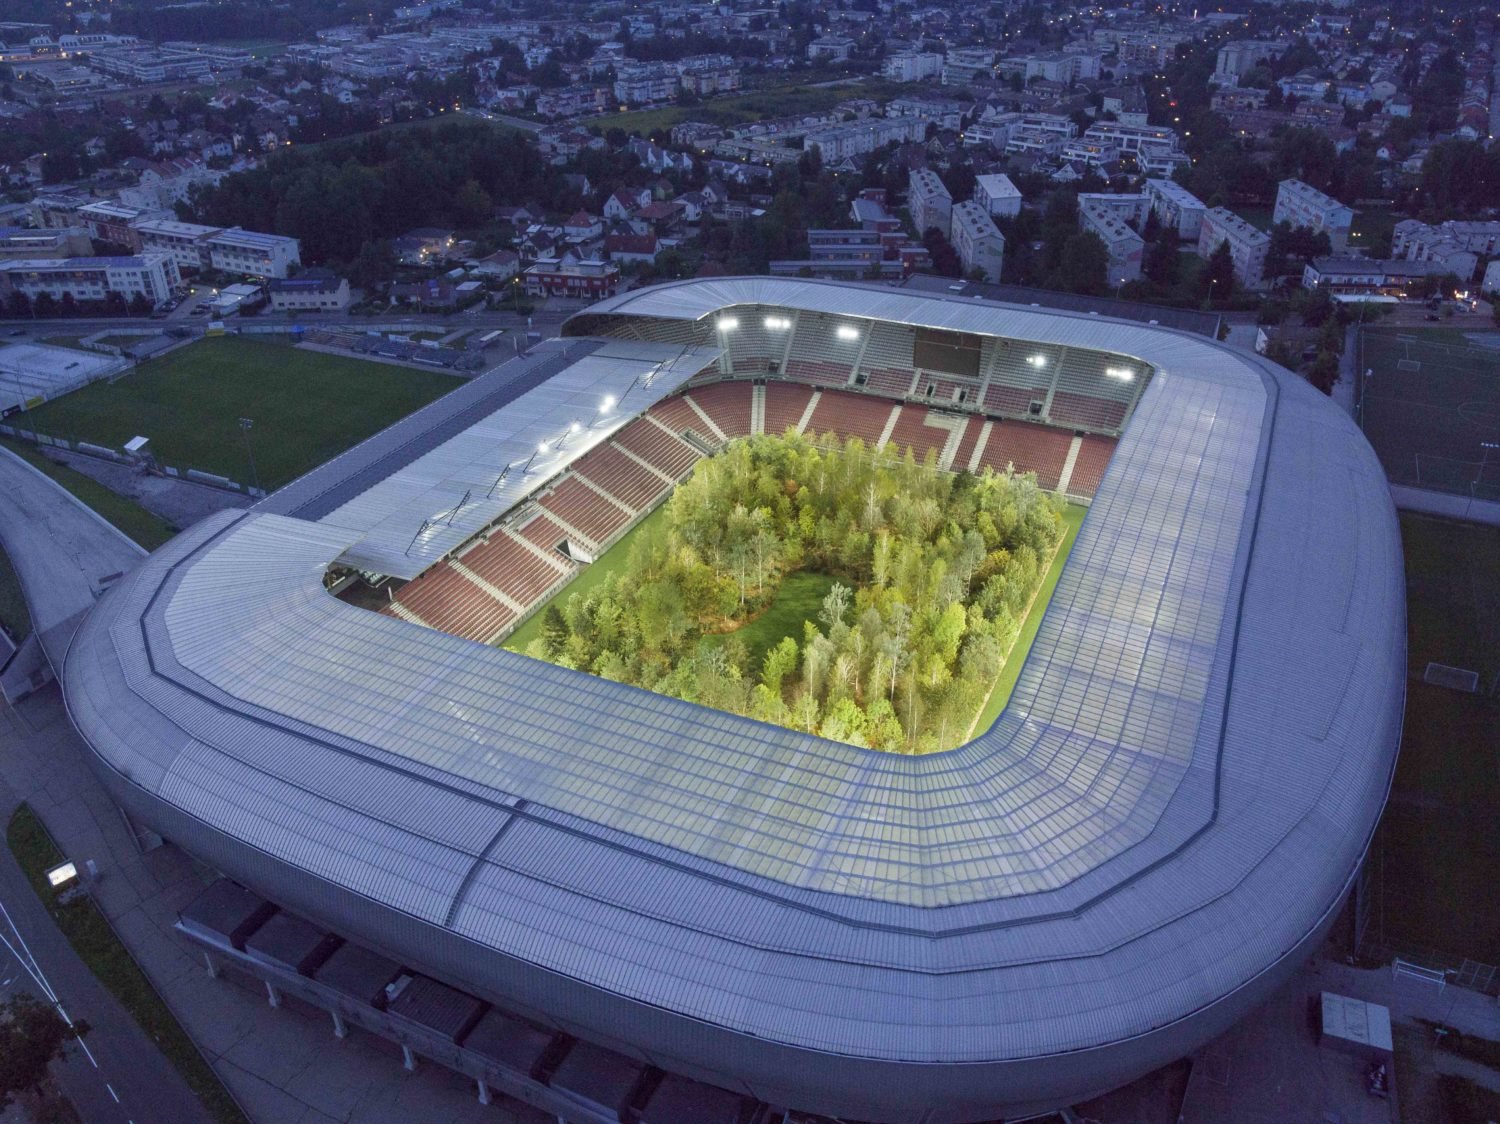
[(440, 500), (1169, 809)]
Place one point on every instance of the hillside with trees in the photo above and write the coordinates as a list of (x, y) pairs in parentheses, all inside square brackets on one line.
[(933, 574)]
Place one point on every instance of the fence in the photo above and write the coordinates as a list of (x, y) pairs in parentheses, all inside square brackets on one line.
[(99, 452)]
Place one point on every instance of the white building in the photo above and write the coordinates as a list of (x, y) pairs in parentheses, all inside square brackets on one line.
[(317, 290), (912, 66), (1129, 208), (1063, 66), (184, 241), (1302, 205), (979, 243), (247, 251), (1107, 220), (966, 64), (1247, 244), (998, 195), (151, 275), (929, 202), (1175, 206), (1131, 138), (856, 138)]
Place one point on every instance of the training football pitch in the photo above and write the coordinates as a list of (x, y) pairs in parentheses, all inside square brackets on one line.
[(1430, 407), (304, 406), (1439, 853)]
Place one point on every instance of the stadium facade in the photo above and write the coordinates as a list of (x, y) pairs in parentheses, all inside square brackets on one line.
[(1158, 830)]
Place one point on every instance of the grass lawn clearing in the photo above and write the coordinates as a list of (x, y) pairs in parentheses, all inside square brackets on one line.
[(799, 599), (306, 406), (1073, 515), (92, 937), (1438, 849), (149, 530)]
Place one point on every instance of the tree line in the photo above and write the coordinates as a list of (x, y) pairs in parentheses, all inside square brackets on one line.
[(340, 196), (934, 576)]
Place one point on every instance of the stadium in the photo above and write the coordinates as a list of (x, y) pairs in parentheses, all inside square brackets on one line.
[(1159, 829)]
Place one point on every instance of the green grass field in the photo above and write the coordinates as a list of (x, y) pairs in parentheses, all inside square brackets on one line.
[(1073, 514), (750, 105), (92, 937), (800, 599), (306, 407), (1439, 850)]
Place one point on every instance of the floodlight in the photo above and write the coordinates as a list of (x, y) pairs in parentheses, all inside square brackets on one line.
[(845, 332)]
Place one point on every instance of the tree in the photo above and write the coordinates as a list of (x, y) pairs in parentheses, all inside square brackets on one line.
[(140, 305), (1083, 265), (32, 1036), (1220, 273), (19, 304), (1292, 247), (1324, 371), (45, 305)]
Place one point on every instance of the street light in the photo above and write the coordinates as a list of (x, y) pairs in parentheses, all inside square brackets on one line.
[(245, 427)]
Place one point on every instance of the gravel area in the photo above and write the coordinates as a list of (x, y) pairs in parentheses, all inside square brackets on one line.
[(180, 502)]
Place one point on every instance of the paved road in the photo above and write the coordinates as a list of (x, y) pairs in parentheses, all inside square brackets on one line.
[(60, 549), (116, 1074)]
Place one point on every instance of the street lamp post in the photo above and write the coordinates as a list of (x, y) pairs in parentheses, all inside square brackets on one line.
[(245, 427)]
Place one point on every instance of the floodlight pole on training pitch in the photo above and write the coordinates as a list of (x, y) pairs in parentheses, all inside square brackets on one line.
[(245, 427)]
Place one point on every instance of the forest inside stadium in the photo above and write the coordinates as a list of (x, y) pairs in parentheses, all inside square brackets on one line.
[(822, 586)]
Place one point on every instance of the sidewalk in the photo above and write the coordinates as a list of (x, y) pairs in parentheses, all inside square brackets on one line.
[(282, 1065)]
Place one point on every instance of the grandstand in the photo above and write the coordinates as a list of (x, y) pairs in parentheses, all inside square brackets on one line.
[(975, 402), (1141, 848)]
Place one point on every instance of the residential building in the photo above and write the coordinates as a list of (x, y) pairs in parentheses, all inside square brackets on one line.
[(858, 138), (1130, 208), (113, 222), (184, 241), (22, 243), (1241, 57), (248, 251), (1370, 276), (1063, 66), (979, 243), (572, 277), (847, 269), (1089, 153), (833, 48), (846, 245), (1247, 244), (1108, 220), (1457, 244), (911, 66), (998, 195), (1159, 161), (631, 247), (1302, 205), (964, 65), (150, 275), (1130, 138), (1175, 206), (313, 290), (643, 83), (929, 202)]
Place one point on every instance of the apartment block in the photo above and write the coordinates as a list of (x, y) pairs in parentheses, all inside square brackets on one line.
[(912, 66), (1107, 220), (929, 202), (857, 138), (1303, 205), (999, 196), (151, 275), (1175, 206), (23, 243), (979, 243), (1247, 244)]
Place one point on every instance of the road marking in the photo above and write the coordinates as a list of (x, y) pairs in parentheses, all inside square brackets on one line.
[(112, 1092)]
